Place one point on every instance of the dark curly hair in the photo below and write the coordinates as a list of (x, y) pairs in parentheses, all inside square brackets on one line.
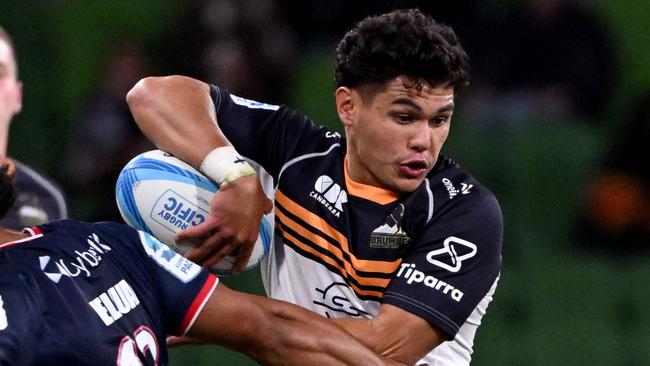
[(7, 191), (402, 42)]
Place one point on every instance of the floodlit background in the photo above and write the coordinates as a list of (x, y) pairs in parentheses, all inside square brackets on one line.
[(556, 124)]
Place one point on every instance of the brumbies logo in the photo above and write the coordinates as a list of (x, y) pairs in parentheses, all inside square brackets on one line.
[(390, 235)]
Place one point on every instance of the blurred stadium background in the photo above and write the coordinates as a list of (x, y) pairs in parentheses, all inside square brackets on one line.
[(568, 295)]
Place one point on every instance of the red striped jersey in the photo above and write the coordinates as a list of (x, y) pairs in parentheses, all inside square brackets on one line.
[(94, 294)]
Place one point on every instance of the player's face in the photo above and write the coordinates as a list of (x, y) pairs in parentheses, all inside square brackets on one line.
[(394, 138), (10, 87)]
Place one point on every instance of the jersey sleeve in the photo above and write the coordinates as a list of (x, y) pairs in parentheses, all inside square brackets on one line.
[(185, 287), (269, 134), (454, 263), (18, 320)]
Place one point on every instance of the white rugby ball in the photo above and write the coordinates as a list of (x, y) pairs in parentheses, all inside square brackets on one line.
[(162, 195)]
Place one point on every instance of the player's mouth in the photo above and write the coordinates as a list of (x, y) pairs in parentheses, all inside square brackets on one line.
[(415, 168)]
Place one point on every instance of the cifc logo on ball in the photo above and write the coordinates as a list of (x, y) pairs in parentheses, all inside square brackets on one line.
[(172, 211)]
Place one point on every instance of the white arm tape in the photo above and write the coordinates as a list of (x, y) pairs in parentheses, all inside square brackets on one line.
[(223, 165)]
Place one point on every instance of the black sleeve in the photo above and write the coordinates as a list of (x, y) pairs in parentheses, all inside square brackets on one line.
[(270, 135), (453, 264)]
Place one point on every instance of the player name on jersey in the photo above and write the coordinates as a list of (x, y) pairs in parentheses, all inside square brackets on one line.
[(115, 302)]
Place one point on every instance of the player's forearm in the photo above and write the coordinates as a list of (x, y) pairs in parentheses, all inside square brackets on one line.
[(277, 333), (177, 114), (306, 339), (394, 333)]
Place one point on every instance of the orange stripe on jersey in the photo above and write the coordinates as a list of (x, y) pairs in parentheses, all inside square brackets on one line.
[(320, 224), (297, 242), (370, 193), (330, 248)]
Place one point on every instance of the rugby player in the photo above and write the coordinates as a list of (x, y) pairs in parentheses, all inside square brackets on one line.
[(376, 228), (74, 293), (39, 199)]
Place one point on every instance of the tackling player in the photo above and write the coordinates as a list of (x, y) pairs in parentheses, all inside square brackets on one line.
[(39, 200), (377, 229), (74, 293)]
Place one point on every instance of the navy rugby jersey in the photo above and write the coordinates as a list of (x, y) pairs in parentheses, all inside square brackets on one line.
[(94, 294), (38, 200), (343, 248)]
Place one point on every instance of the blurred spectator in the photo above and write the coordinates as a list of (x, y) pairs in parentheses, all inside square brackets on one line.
[(38, 199), (547, 60), (618, 198), (249, 37), (104, 137)]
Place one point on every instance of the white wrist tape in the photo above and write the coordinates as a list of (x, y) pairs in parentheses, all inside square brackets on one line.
[(223, 165)]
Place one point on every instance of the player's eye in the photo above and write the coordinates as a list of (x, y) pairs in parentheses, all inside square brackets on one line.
[(440, 120), (404, 118)]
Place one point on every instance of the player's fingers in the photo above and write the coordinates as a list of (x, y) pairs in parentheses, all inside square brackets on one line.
[(201, 230), (210, 245), (216, 257), (268, 206), (244, 255)]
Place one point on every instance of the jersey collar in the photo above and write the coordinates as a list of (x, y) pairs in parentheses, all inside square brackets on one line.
[(371, 193)]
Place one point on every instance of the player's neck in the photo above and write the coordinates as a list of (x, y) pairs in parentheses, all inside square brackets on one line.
[(8, 235)]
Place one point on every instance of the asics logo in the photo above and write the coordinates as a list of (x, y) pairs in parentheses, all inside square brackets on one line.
[(448, 256)]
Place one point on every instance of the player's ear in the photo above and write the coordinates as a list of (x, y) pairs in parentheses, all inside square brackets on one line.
[(19, 97), (345, 105), (7, 188), (9, 167)]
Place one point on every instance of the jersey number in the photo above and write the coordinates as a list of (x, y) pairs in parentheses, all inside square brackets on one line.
[(143, 340)]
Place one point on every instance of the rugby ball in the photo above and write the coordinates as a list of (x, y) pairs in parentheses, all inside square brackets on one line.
[(162, 195)]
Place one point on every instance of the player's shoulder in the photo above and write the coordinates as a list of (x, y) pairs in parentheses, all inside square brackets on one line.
[(221, 97), (88, 232), (29, 175), (453, 181), (451, 189), (39, 199), (312, 132), (82, 227)]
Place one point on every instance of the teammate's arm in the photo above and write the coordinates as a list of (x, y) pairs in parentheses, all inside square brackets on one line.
[(178, 115), (276, 332), (395, 333)]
